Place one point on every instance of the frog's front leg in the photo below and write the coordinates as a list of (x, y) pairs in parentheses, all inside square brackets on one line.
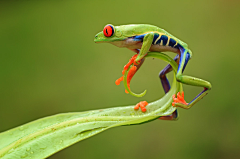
[(179, 101), (147, 42)]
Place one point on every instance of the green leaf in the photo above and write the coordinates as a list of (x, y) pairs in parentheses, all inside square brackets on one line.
[(46, 136)]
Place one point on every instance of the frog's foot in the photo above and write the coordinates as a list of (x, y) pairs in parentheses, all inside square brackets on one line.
[(142, 106), (179, 99), (131, 72)]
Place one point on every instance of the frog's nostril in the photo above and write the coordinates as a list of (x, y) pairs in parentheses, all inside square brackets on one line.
[(95, 36)]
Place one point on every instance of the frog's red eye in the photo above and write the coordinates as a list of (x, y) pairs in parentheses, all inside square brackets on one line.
[(108, 30)]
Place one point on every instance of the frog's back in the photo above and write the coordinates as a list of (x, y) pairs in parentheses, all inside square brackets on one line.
[(139, 29), (173, 37)]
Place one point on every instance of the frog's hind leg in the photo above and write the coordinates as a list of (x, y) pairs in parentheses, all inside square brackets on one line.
[(166, 87), (184, 58), (173, 116), (162, 75)]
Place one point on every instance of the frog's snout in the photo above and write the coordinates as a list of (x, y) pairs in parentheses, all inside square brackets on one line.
[(99, 37), (95, 39)]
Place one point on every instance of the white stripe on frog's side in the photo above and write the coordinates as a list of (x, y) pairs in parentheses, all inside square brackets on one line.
[(161, 42), (175, 44), (159, 36), (168, 40)]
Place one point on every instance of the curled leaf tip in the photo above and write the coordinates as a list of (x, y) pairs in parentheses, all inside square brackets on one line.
[(127, 78)]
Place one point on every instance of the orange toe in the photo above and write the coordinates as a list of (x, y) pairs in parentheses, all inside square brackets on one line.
[(179, 99), (142, 105), (137, 106)]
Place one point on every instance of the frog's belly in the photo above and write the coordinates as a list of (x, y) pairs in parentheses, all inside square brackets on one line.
[(131, 44), (160, 48)]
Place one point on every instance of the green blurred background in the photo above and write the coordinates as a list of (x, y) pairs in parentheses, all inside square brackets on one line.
[(49, 64)]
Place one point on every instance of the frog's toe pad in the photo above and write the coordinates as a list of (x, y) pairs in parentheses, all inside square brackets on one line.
[(179, 99), (142, 105)]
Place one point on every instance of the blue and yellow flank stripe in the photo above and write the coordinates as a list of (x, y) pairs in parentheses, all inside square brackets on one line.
[(164, 40), (160, 39)]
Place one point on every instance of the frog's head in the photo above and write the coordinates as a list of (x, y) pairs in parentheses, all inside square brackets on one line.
[(109, 34)]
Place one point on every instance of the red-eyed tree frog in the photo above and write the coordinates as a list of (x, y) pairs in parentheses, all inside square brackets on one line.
[(144, 38)]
